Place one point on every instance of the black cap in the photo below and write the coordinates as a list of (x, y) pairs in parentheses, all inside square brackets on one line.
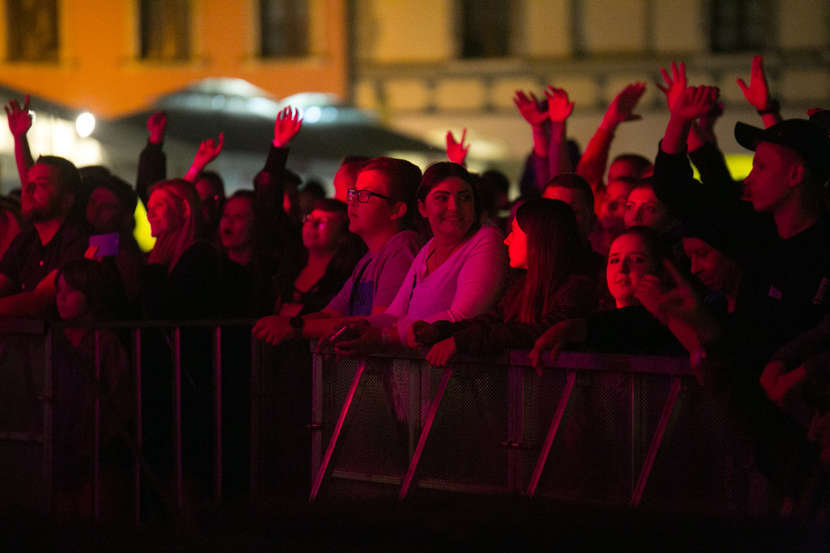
[(804, 137)]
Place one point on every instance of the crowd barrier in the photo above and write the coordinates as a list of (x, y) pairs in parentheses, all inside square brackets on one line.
[(589, 428)]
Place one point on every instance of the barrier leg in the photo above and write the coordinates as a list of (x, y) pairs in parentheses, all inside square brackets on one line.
[(177, 415), (138, 423), (551, 435), (422, 440), (96, 439), (217, 412), (316, 425), (654, 447), (344, 411)]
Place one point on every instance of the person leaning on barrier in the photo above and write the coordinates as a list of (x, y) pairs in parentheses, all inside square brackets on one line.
[(28, 269), (457, 275), (557, 283), (380, 212)]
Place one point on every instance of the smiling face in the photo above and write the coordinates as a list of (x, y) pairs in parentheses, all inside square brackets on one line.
[(450, 209), (642, 208), (628, 260), (516, 243), (236, 227), (71, 303)]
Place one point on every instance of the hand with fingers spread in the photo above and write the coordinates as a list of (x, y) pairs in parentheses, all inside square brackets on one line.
[(529, 108), (621, 108), (457, 151), (156, 125), (439, 354), (287, 124), (778, 384), (695, 102), (273, 329), (559, 106), (757, 93), (675, 85), (20, 120), (650, 293)]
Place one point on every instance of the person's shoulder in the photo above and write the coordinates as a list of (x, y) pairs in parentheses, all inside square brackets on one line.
[(487, 234), (405, 240)]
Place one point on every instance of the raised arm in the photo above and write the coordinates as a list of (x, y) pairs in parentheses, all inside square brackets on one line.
[(757, 93), (537, 118), (20, 121), (559, 109), (208, 151), (152, 163), (594, 160)]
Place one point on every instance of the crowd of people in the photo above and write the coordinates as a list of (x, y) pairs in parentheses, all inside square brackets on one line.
[(640, 258)]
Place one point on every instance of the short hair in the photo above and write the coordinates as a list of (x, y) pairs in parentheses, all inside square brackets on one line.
[(69, 177), (352, 166), (331, 205), (404, 178), (574, 182), (641, 164)]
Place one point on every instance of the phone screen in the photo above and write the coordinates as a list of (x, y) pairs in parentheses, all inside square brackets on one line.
[(107, 244)]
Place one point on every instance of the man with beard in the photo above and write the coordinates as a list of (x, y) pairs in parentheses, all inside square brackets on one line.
[(28, 269)]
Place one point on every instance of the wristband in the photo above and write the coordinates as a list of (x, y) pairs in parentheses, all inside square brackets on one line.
[(772, 107)]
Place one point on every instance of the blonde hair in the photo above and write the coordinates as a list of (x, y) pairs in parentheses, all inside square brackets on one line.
[(169, 248)]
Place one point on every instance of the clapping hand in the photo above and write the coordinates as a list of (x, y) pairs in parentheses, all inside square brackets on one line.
[(529, 108), (559, 106)]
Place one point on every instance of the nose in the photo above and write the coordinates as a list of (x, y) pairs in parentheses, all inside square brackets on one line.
[(625, 267), (452, 204), (695, 268)]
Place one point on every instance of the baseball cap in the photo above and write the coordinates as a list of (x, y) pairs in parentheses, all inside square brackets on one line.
[(804, 137)]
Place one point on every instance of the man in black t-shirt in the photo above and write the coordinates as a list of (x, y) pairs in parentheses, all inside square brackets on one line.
[(29, 267)]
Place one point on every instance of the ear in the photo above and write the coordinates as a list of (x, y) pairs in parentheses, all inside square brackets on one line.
[(797, 174), (186, 211), (422, 208), (399, 210)]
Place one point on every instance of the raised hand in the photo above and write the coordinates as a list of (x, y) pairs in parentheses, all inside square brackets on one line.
[(457, 151), (696, 101), (209, 150), (675, 85), (287, 124), (650, 293), (559, 106), (757, 93), (440, 353), (20, 120), (156, 125), (529, 108), (621, 108)]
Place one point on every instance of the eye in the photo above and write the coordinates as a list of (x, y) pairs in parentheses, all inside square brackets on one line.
[(613, 261), (629, 206)]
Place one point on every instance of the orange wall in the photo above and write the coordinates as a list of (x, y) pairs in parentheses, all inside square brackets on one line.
[(99, 68)]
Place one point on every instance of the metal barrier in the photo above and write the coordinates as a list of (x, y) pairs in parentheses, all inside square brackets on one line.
[(479, 426), (525, 415)]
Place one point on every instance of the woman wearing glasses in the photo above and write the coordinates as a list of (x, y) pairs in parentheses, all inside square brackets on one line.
[(331, 252), (458, 274)]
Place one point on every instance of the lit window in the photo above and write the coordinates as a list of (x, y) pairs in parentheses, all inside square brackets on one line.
[(284, 28), (738, 25), (32, 30), (165, 30)]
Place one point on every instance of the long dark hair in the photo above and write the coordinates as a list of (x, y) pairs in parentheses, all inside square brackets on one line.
[(438, 172), (555, 251)]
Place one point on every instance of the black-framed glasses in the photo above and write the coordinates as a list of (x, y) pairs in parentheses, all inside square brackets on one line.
[(363, 196)]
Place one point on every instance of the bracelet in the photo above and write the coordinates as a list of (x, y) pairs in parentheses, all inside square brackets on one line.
[(772, 107)]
